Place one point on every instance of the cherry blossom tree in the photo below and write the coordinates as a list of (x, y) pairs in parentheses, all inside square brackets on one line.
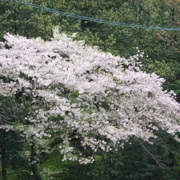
[(80, 99)]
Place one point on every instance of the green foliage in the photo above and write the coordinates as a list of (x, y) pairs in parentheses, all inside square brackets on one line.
[(138, 161), (162, 68), (54, 168), (133, 162), (24, 20)]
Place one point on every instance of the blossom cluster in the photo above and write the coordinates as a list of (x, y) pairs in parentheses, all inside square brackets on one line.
[(92, 99)]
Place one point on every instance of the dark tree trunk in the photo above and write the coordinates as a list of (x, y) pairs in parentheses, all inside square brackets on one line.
[(3, 155), (34, 165)]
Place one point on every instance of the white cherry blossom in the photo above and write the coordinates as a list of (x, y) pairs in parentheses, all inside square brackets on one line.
[(88, 98)]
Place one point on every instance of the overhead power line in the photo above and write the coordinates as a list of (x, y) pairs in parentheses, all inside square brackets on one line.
[(86, 18)]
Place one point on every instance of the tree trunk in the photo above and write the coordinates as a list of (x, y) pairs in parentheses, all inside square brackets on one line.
[(3, 155), (34, 165)]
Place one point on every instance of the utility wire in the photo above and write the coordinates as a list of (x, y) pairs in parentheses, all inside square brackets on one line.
[(86, 18)]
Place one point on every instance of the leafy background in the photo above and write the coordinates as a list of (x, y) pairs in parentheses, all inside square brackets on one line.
[(162, 51)]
